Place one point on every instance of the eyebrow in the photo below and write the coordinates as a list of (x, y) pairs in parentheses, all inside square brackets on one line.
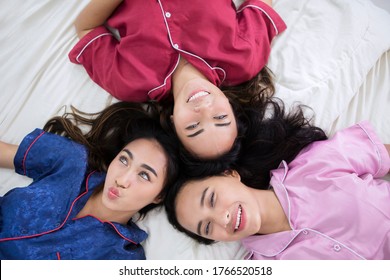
[(143, 165), (203, 196), (199, 227), (196, 133), (200, 131), (223, 124), (201, 204)]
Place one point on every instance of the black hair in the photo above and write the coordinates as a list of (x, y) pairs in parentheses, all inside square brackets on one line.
[(242, 97), (271, 134), (112, 129)]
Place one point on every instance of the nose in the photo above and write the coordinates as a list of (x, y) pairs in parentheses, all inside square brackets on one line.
[(223, 218), (123, 181), (204, 104)]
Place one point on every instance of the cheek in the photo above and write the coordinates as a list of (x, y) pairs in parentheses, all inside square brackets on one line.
[(148, 193), (137, 200), (113, 168), (222, 103), (109, 178), (219, 234), (182, 114)]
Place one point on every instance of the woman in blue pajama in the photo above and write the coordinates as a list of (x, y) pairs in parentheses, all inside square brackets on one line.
[(86, 186)]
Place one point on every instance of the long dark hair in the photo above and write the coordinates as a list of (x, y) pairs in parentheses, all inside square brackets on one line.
[(106, 133), (271, 134), (247, 95), (260, 85)]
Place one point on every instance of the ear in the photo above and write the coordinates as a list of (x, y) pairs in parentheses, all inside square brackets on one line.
[(233, 173), (171, 117)]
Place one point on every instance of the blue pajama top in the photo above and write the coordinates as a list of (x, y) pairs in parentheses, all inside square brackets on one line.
[(39, 221)]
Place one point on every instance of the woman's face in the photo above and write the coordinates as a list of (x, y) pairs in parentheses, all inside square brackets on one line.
[(203, 119), (135, 177), (219, 208)]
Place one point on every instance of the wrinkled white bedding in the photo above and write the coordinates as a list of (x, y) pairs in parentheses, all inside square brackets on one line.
[(334, 57)]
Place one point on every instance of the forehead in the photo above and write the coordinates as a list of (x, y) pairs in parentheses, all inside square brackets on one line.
[(143, 144), (214, 141), (192, 191), (148, 150), (187, 195), (188, 203)]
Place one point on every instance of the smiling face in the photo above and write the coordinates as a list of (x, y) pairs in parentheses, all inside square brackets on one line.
[(135, 177), (203, 119), (219, 208)]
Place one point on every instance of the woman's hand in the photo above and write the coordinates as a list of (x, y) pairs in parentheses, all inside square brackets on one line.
[(7, 155), (94, 14), (268, 2)]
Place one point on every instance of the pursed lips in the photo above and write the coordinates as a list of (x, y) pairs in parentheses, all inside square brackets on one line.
[(113, 192)]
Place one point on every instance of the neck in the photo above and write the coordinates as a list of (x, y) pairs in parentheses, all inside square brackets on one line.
[(95, 207), (182, 74), (273, 217)]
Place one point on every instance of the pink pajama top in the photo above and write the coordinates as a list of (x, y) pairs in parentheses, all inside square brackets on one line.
[(227, 45), (336, 203)]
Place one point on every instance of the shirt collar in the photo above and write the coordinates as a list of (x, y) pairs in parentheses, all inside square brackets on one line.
[(270, 245), (130, 232), (278, 176)]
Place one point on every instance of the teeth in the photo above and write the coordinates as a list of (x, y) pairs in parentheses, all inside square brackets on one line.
[(238, 220), (197, 95)]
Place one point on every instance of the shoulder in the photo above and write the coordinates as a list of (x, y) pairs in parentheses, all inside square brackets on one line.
[(41, 150), (41, 139)]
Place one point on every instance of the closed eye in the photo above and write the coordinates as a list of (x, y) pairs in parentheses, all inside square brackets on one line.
[(192, 126), (207, 228), (212, 199), (221, 117)]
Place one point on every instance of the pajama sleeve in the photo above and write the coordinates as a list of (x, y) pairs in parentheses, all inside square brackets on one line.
[(41, 154), (259, 24), (356, 149)]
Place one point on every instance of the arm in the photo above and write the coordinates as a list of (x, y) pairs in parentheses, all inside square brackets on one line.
[(362, 151), (388, 148), (7, 154), (268, 2), (94, 15)]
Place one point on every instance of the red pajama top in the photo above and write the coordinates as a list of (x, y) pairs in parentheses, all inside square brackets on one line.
[(228, 45)]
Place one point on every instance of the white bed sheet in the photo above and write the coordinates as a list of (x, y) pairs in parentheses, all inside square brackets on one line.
[(334, 57)]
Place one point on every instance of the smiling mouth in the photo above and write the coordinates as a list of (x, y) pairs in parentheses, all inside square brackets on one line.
[(198, 95), (238, 218)]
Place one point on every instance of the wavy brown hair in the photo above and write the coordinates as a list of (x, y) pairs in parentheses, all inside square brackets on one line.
[(105, 133), (260, 85)]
